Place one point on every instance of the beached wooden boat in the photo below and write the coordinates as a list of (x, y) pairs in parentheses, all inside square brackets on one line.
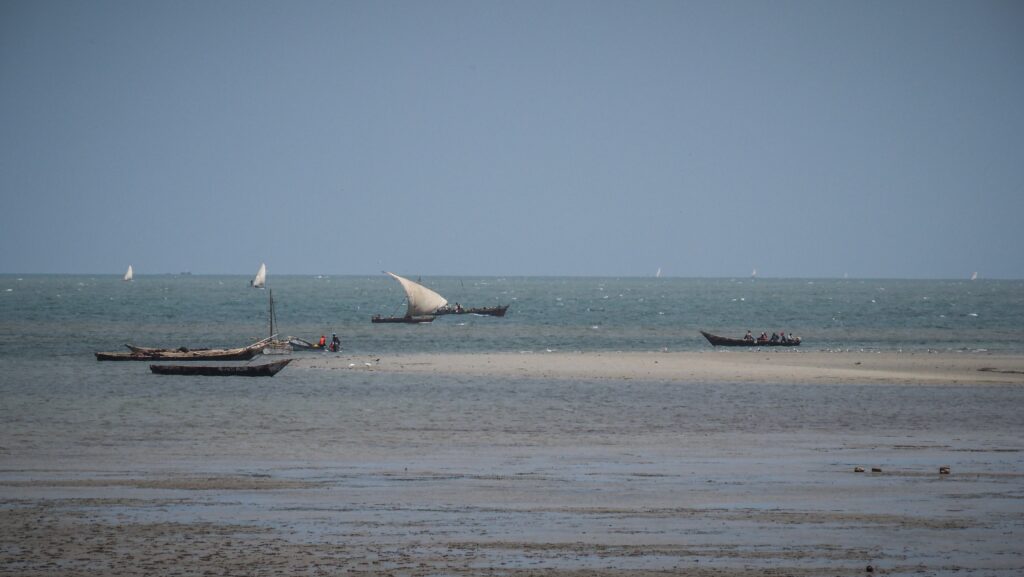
[(304, 345), (260, 370), (424, 305), (718, 341), (185, 354)]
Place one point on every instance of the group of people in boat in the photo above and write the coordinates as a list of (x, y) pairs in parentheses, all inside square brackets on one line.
[(335, 345), (779, 337)]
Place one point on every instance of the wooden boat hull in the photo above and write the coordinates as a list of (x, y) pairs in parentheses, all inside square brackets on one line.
[(183, 354), (407, 319), (304, 345), (717, 341), (498, 311), (261, 370)]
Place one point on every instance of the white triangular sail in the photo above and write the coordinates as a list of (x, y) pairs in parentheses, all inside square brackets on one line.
[(261, 277), (422, 301), (130, 274), (974, 276), (658, 274)]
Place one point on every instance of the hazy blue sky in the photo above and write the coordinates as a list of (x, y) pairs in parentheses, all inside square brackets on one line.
[(811, 139)]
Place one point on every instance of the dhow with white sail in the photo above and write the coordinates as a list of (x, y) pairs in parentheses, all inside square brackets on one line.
[(260, 280), (423, 303)]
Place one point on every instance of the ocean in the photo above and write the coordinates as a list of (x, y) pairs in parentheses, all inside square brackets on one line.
[(106, 468), (61, 315)]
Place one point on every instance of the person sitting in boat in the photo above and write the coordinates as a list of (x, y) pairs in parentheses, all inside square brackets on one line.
[(749, 336), (458, 308), (793, 339), (335, 343), (323, 342), (763, 338), (774, 339), (782, 336)]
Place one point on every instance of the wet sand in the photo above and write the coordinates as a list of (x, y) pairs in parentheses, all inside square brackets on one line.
[(555, 464)]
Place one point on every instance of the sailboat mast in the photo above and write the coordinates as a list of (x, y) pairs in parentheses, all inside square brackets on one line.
[(271, 293)]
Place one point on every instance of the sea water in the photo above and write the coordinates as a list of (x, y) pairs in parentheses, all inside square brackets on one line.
[(407, 459), (45, 316), (55, 397)]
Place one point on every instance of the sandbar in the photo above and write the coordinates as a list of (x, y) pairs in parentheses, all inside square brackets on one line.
[(717, 366)]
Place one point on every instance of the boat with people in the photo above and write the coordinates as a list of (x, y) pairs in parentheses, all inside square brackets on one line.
[(260, 280), (498, 311), (247, 370), (424, 305), (333, 346), (749, 341), (136, 353)]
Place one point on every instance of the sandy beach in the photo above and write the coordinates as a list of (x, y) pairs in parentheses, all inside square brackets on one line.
[(719, 463), (717, 366)]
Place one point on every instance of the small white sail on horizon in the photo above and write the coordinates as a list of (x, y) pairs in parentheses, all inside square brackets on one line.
[(422, 301), (658, 274), (260, 281), (130, 274), (974, 276), (753, 273)]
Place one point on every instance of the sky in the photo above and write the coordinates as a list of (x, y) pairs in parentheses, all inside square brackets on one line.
[(578, 138)]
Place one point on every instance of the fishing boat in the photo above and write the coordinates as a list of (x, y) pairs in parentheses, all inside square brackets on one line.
[(304, 345), (408, 319), (129, 275), (424, 305), (498, 311), (259, 370), (136, 353), (717, 341), (260, 280)]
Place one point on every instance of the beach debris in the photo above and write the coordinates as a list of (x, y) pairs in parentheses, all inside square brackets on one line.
[(876, 469), (944, 470), (858, 469)]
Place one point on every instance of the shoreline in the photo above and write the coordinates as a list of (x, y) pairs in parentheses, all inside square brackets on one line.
[(716, 366)]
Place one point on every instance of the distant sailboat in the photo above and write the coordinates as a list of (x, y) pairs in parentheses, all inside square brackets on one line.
[(658, 274), (753, 273), (974, 276), (260, 281), (129, 275)]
